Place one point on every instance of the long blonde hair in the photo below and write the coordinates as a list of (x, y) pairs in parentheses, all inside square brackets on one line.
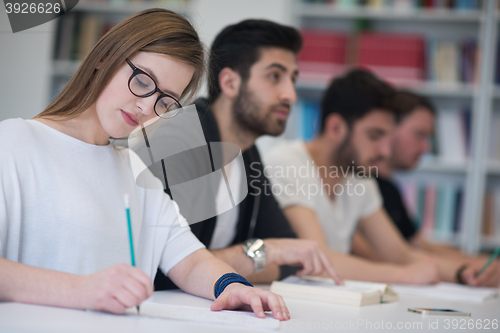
[(151, 30)]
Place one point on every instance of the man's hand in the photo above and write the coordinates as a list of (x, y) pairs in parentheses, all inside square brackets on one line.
[(239, 296), (305, 253), (489, 278), (114, 289)]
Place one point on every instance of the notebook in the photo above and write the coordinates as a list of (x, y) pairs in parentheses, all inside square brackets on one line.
[(206, 316), (356, 293), (450, 291)]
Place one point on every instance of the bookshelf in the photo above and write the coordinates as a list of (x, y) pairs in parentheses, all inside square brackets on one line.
[(475, 174), (429, 89), (334, 12)]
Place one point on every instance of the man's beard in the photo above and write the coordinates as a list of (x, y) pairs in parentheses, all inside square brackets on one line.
[(246, 114), (346, 157)]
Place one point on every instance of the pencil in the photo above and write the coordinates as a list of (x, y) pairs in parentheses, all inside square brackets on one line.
[(131, 241), (493, 257)]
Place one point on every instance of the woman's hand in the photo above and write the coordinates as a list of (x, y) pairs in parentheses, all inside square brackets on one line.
[(489, 278), (114, 289), (239, 296)]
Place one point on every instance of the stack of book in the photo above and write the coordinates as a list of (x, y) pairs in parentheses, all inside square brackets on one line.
[(304, 120), (402, 59), (452, 138), (494, 144), (452, 62), (320, 289), (397, 58), (323, 56), (437, 209), (78, 34)]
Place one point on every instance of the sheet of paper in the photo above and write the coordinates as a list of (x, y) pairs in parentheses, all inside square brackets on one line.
[(204, 315), (449, 291)]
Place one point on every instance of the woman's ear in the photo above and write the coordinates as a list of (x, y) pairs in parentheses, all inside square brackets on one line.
[(336, 128), (229, 82)]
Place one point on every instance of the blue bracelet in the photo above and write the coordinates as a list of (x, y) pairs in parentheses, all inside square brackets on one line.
[(226, 280)]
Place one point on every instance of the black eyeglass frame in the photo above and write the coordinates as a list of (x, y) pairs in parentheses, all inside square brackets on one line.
[(137, 71)]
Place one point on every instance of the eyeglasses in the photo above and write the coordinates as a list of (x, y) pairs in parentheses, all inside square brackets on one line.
[(141, 84)]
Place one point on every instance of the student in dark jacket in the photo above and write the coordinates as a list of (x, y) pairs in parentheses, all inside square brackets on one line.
[(252, 72)]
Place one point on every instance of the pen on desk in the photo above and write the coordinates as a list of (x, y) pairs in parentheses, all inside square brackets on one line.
[(493, 257), (129, 224)]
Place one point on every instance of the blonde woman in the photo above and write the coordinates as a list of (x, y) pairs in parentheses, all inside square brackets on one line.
[(63, 235)]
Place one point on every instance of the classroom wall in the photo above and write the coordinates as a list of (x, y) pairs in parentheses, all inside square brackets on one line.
[(210, 16), (25, 69)]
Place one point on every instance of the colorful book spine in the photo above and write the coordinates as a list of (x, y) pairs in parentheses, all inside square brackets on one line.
[(323, 56), (459, 5), (436, 208), (402, 59)]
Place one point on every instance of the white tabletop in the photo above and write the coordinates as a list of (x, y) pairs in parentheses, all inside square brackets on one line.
[(306, 317)]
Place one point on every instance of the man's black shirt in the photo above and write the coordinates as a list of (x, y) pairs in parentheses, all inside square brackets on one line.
[(270, 221), (395, 207)]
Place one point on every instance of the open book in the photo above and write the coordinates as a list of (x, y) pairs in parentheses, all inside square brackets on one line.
[(320, 289)]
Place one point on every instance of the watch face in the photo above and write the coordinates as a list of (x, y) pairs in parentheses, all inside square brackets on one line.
[(256, 245), (256, 249)]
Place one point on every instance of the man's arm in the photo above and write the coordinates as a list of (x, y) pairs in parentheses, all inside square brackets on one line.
[(419, 240), (389, 245), (361, 248), (404, 269), (384, 238), (236, 258), (280, 251)]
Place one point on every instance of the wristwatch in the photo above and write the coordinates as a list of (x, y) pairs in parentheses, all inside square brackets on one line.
[(256, 249)]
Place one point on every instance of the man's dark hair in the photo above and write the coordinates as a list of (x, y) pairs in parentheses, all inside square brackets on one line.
[(238, 47), (405, 102), (355, 95)]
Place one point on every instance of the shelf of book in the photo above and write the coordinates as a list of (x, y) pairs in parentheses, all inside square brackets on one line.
[(436, 205), (430, 89), (492, 167), (442, 166), (360, 12)]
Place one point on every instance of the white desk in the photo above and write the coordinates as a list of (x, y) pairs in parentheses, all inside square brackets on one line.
[(306, 317)]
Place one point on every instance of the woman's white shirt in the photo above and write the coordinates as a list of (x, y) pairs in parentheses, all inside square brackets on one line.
[(62, 205)]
